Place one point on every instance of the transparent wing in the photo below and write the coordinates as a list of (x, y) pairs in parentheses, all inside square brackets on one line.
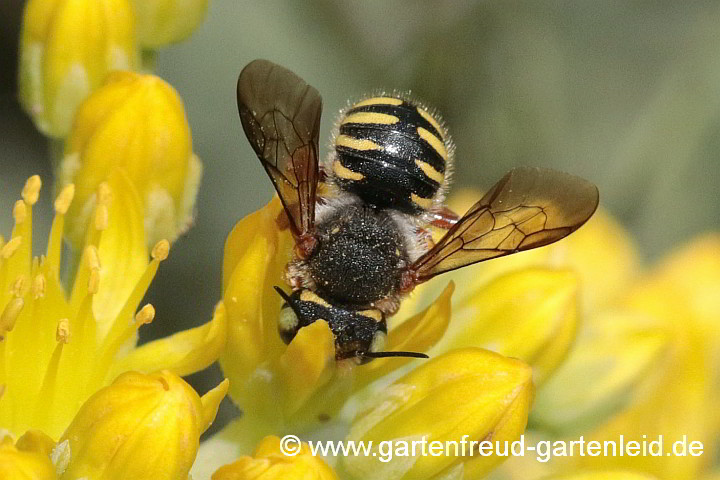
[(280, 115), (527, 208)]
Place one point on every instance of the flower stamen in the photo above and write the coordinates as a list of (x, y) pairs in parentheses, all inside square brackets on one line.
[(31, 190), (19, 212), (145, 315), (62, 334), (38, 286), (10, 247), (9, 315), (54, 249)]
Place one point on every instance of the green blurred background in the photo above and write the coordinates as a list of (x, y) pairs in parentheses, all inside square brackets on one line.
[(624, 93)]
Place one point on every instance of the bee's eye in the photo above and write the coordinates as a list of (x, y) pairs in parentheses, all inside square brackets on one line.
[(288, 324)]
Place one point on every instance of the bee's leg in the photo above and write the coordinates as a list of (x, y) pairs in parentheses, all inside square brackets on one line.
[(388, 305), (443, 217), (425, 235), (297, 275)]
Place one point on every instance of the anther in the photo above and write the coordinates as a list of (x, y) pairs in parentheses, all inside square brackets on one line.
[(93, 259), (62, 333), (38, 286), (101, 217), (161, 250), (145, 315), (94, 281), (9, 248), (19, 212), (31, 190), (63, 201), (93, 263), (18, 287), (104, 195), (10, 314)]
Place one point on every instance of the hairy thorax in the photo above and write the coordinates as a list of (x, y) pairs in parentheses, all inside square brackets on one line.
[(359, 257)]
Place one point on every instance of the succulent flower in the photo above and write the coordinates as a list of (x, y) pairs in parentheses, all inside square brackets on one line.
[(135, 123)]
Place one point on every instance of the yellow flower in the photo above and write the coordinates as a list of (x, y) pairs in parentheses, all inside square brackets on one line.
[(256, 360), (645, 367), (161, 22), (67, 48), (467, 394), (680, 397), (530, 314), (136, 123), (300, 386), (58, 346), (18, 463), (139, 427), (269, 463)]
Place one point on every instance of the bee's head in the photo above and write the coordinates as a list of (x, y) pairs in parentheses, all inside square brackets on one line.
[(359, 334)]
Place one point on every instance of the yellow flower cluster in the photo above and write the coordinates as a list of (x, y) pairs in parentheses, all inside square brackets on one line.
[(76, 81), (68, 47), (134, 123), (59, 350), (644, 345)]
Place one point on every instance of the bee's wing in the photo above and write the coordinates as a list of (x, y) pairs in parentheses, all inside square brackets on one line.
[(280, 114), (527, 208)]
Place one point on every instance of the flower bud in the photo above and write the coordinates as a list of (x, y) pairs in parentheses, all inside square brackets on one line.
[(161, 22), (614, 355), (140, 427), (464, 395), (67, 48), (530, 314), (268, 462), (19, 464), (135, 123)]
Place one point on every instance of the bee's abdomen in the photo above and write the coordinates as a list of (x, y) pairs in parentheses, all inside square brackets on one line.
[(392, 154)]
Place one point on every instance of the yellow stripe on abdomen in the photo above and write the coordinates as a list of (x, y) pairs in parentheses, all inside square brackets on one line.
[(430, 171), (424, 203), (378, 101), (356, 144), (371, 117), (343, 172), (431, 120), (437, 144)]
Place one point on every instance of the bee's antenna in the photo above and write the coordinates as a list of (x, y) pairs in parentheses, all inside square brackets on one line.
[(282, 293), (394, 354)]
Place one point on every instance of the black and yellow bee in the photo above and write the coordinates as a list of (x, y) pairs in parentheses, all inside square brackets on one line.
[(363, 244)]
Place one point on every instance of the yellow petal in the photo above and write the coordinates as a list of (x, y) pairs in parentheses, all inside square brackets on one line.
[(211, 402), (161, 22), (469, 392), (122, 251), (184, 352), (269, 463), (140, 427), (35, 441), (416, 334), (307, 364), (616, 355), (16, 464), (677, 406), (530, 314), (136, 123), (251, 254)]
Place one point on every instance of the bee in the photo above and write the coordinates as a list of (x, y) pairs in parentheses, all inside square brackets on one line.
[(361, 218)]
